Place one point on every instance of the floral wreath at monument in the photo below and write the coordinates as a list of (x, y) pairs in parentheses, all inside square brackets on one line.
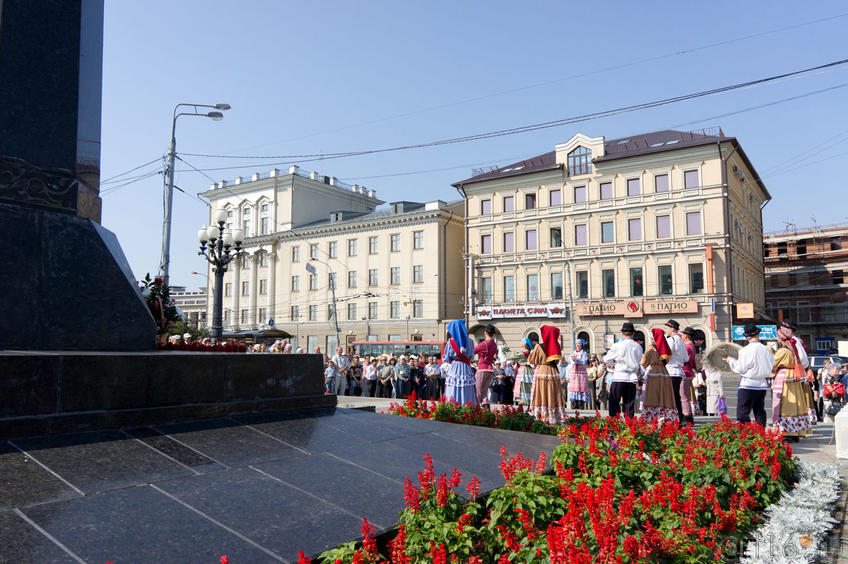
[(157, 296)]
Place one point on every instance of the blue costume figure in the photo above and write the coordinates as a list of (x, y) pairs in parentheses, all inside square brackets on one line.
[(459, 383)]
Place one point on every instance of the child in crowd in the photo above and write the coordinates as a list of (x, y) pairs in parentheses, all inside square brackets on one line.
[(329, 377)]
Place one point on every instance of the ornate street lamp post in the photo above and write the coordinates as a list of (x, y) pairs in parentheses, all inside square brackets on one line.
[(219, 247)]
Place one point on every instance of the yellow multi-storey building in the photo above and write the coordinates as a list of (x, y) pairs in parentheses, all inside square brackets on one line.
[(644, 228), (397, 273)]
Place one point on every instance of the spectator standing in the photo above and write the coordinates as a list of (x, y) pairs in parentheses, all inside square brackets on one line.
[(715, 388), (342, 363), (385, 375), (432, 375), (498, 383), (402, 378), (699, 385), (369, 378), (330, 375)]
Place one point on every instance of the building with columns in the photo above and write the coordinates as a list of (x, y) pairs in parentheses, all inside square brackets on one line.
[(640, 228), (397, 272)]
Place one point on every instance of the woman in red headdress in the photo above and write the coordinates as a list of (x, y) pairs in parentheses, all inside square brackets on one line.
[(659, 393), (546, 404)]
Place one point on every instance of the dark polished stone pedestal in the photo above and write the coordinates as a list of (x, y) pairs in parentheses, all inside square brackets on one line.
[(59, 392)]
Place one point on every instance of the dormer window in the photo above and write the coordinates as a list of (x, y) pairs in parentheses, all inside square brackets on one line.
[(579, 161)]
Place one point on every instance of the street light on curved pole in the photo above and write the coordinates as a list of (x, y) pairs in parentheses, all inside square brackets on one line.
[(333, 289), (165, 264)]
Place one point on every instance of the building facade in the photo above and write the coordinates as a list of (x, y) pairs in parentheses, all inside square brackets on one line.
[(397, 273), (192, 303), (642, 228), (806, 282)]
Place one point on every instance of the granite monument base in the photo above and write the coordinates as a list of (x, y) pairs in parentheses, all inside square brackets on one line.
[(44, 393)]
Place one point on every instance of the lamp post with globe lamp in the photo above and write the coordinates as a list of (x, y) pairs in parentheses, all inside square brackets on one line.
[(220, 247)]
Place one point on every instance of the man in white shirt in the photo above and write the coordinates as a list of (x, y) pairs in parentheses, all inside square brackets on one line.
[(754, 364), (624, 358), (679, 356), (342, 364)]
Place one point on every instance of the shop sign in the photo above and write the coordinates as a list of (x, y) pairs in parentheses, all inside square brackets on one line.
[(671, 306), (767, 332), (745, 311), (637, 308), (521, 312)]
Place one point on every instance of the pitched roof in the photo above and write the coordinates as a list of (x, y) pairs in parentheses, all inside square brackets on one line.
[(658, 141), (546, 161)]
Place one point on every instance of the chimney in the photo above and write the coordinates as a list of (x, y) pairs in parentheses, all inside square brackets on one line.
[(255, 176), (293, 169), (222, 183), (213, 185), (274, 172), (237, 180), (372, 193), (314, 175), (332, 181)]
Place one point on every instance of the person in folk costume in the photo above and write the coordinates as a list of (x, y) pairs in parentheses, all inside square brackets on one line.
[(487, 353), (674, 366), (546, 403), (754, 365), (689, 369), (786, 338), (578, 379), (459, 377), (659, 393), (791, 412), (523, 390), (623, 361)]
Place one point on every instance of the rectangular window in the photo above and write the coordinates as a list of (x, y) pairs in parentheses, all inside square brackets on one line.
[(372, 245), (295, 313), (245, 262), (295, 254), (228, 316), (661, 183), (582, 284), (690, 179), (634, 187), (263, 208), (636, 282), (663, 226), (556, 285), (331, 280), (417, 308), (313, 251), (417, 239), (609, 283), (228, 289), (264, 225), (485, 207), (313, 282), (509, 242), (606, 190), (529, 201), (351, 247), (372, 276), (607, 232), (395, 243), (696, 278), (263, 259), (263, 315), (395, 275), (556, 237), (666, 280), (530, 239), (394, 310), (245, 227), (532, 287), (263, 287), (509, 288), (244, 317), (556, 197), (332, 249), (486, 244), (417, 273), (245, 288), (372, 310), (295, 286), (838, 277), (581, 194), (580, 236), (509, 203), (485, 290), (313, 313), (693, 223), (351, 279), (351, 312), (634, 229)]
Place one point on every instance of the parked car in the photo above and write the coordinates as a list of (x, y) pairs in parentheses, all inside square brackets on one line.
[(817, 361)]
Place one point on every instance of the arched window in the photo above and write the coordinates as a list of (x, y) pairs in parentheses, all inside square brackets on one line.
[(579, 161), (587, 342)]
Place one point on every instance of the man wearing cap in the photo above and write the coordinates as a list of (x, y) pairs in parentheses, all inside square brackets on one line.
[(623, 360), (689, 369), (679, 356), (487, 352), (754, 364)]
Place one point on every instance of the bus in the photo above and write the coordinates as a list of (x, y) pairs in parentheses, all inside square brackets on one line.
[(418, 348)]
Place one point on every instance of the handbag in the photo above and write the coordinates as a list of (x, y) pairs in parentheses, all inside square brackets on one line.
[(835, 390), (833, 408), (721, 407)]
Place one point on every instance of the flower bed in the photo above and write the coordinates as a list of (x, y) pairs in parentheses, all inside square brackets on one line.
[(620, 491)]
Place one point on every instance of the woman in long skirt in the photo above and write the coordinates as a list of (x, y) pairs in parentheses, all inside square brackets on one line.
[(546, 403), (791, 406), (523, 390), (789, 342), (459, 381), (658, 391), (578, 379)]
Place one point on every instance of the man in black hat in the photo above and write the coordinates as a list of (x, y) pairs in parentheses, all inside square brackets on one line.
[(754, 364), (623, 359), (675, 368), (487, 352)]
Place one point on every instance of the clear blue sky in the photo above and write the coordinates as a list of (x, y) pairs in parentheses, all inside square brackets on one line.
[(312, 77)]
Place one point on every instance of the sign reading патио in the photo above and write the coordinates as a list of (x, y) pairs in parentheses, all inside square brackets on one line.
[(520, 312)]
